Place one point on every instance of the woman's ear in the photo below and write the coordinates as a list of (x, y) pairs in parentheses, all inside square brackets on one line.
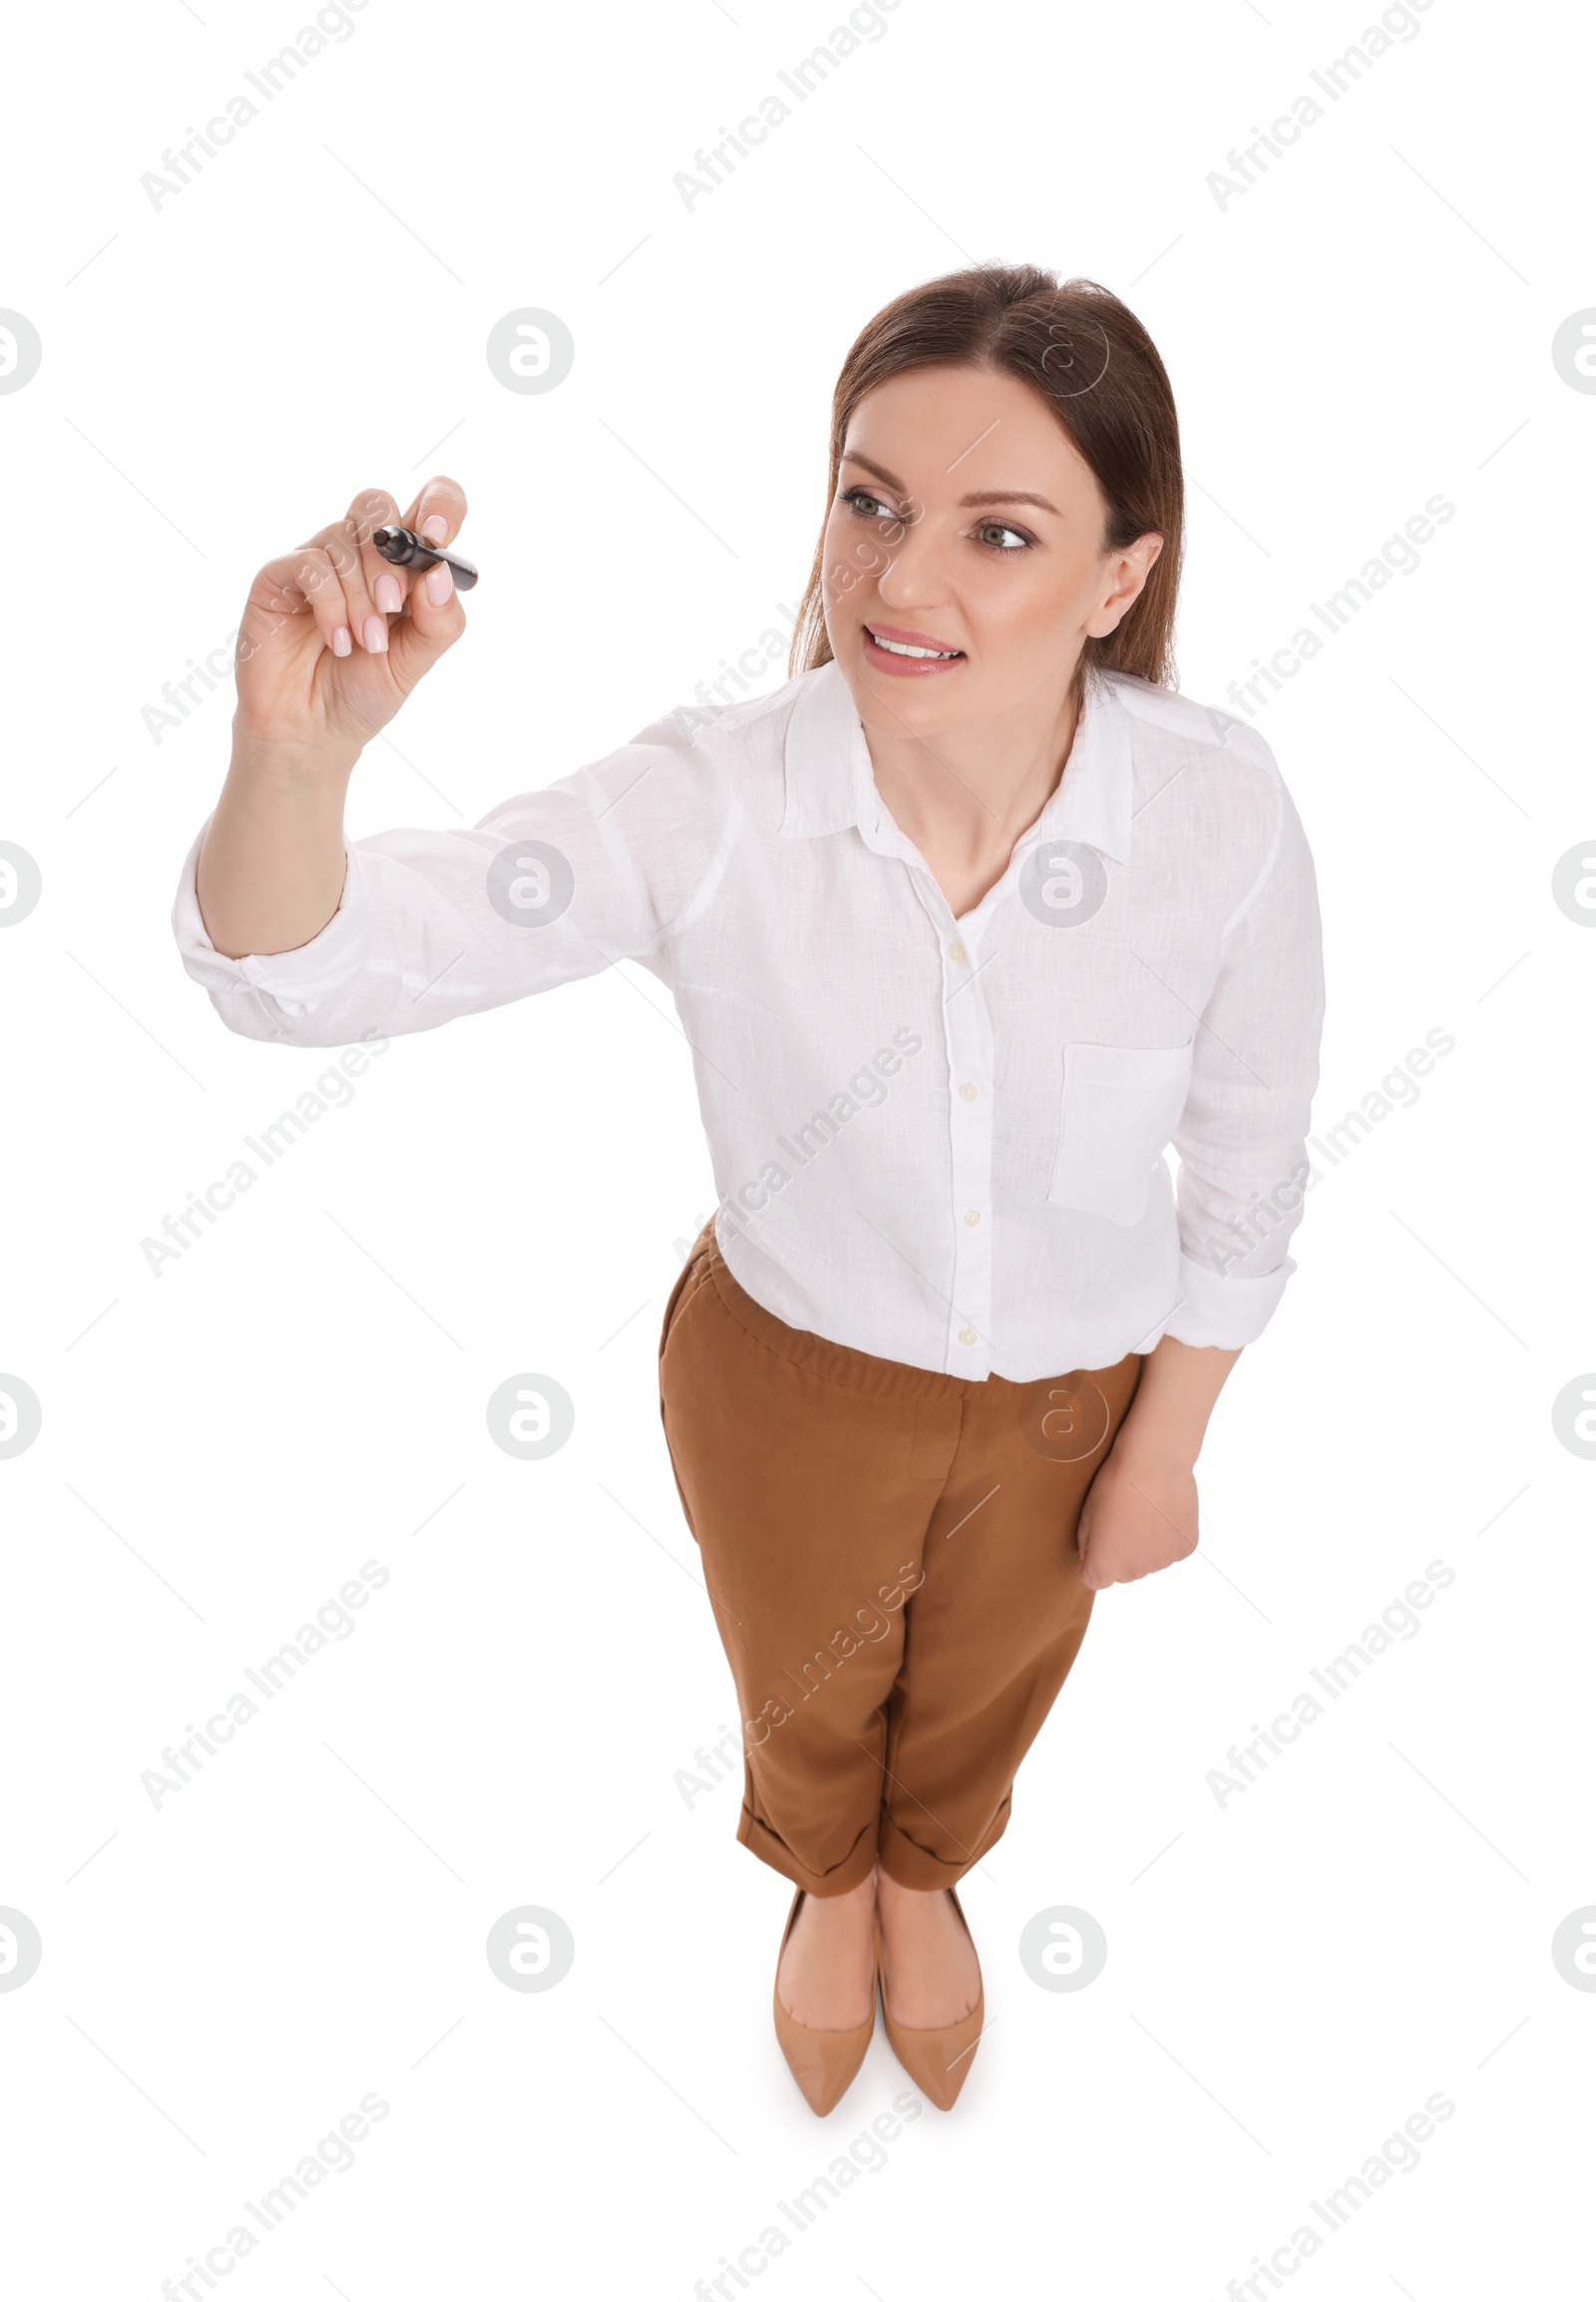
[(1127, 573)]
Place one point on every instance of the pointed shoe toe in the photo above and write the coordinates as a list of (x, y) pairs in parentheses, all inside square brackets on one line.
[(937, 2060), (824, 2063)]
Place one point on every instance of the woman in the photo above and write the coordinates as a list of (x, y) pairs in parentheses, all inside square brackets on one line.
[(965, 925)]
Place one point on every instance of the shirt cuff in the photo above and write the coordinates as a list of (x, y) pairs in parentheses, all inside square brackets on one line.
[(298, 980), (1224, 1313)]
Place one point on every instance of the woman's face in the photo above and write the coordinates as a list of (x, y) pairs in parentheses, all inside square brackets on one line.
[(967, 525)]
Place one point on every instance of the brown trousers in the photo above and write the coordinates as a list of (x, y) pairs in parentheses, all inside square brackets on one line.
[(891, 1558)]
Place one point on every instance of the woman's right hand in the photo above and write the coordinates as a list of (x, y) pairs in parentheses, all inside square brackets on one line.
[(334, 638)]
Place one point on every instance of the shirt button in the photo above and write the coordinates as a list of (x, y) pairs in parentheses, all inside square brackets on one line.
[(966, 1334), (969, 1090), (955, 950), (972, 1216)]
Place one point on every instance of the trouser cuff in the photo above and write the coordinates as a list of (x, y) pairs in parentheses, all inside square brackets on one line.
[(852, 1871), (912, 1866)]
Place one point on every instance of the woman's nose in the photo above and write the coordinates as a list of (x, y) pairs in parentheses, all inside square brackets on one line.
[(911, 569)]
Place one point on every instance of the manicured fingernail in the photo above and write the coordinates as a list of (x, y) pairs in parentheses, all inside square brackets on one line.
[(435, 529), (389, 596), (439, 585), (341, 641), (375, 635)]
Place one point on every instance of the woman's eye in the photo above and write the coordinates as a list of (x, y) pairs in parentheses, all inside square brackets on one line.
[(1001, 536), (868, 506)]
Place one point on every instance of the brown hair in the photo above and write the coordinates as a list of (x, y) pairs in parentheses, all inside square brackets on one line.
[(1080, 349)]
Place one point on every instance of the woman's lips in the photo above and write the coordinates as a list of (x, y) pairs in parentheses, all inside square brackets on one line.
[(903, 666)]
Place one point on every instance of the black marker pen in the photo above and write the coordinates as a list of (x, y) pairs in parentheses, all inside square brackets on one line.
[(402, 547)]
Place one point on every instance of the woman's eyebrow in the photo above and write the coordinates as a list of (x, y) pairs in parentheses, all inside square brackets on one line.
[(852, 455), (966, 502), (1011, 495)]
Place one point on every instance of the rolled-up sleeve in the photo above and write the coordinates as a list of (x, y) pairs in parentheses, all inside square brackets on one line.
[(1241, 1137), (550, 886)]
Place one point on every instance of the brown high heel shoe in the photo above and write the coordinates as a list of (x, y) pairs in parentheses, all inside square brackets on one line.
[(938, 2059), (825, 2063)]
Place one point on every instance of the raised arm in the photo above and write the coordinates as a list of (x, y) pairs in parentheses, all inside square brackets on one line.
[(332, 642), (303, 937)]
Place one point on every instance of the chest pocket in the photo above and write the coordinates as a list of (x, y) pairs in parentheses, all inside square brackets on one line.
[(1121, 1105)]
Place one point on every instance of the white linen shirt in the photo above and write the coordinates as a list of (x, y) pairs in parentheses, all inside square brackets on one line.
[(938, 1140)]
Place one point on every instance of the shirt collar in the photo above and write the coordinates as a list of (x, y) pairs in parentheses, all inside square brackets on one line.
[(830, 785)]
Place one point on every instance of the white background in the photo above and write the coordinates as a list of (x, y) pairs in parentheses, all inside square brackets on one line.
[(223, 1445)]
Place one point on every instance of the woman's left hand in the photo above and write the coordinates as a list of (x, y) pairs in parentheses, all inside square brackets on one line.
[(1140, 1514)]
